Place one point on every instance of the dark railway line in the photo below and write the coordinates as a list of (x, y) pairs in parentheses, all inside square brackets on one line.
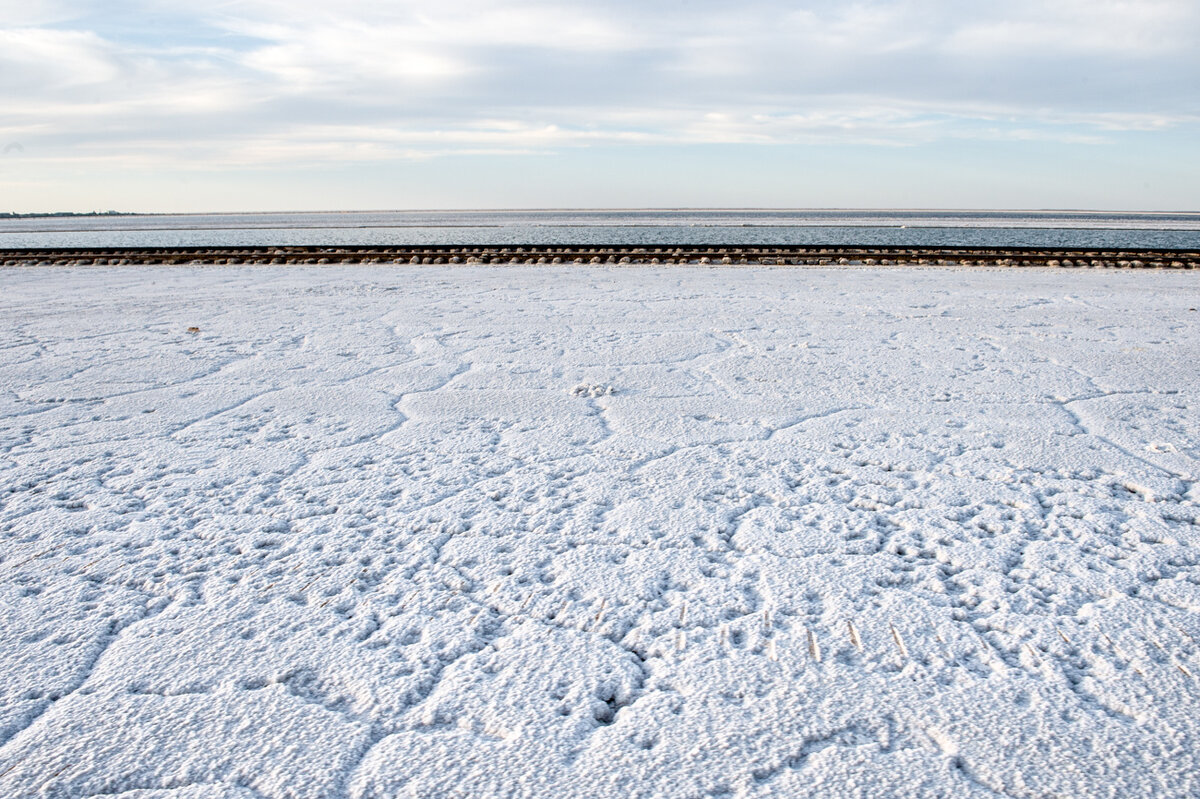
[(799, 255)]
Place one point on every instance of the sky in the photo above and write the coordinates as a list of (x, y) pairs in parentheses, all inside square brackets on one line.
[(266, 105)]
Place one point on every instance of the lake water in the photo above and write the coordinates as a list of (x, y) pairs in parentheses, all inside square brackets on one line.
[(679, 227)]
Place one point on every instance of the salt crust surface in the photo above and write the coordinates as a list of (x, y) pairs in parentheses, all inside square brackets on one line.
[(598, 532)]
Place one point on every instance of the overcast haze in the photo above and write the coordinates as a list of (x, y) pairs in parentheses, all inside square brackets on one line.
[(265, 105)]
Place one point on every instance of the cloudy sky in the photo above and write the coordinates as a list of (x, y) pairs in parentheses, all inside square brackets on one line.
[(165, 105)]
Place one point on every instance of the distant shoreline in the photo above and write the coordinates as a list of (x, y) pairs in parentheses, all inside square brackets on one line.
[(69, 214)]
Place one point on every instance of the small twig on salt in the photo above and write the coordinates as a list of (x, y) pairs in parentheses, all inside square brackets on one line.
[(899, 642)]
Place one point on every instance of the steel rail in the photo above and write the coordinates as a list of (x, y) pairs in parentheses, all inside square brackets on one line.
[(800, 255)]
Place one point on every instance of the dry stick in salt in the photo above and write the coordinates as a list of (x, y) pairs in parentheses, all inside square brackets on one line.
[(854, 639), (596, 618), (899, 642)]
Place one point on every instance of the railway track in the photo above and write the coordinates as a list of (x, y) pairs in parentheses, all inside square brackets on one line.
[(799, 255)]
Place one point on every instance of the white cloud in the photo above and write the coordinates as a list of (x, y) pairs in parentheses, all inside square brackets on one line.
[(304, 81), (46, 59), (22, 13), (454, 23), (350, 54), (1120, 29)]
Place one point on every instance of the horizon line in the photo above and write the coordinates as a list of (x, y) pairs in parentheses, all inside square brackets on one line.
[(648, 209)]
